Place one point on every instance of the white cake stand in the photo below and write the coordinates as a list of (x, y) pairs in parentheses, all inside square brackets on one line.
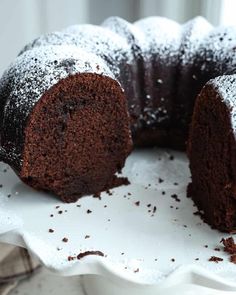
[(151, 240)]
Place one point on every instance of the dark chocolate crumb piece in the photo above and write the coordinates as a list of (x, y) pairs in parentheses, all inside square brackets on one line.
[(97, 196), (51, 215), (105, 206), (185, 226), (175, 197), (51, 230), (109, 192), (149, 211), (233, 258), (154, 209), (176, 183), (149, 205), (65, 240), (9, 195), (160, 180), (129, 194), (108, 219), (1, 185), (122, 253), (206, 246), (229, 245), (89, 211), (196, 259), (217, 249), (87, 237), (60, 212), (215, 259), (136, 270), (86, 253), (171, 207), (70, 258), (57, 207), (137, 203), (172, 259), (176, 208), (155, 259), (78, 205), (163, 192)]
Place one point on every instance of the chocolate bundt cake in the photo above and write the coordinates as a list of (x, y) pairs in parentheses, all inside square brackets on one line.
[(212, 153), (72, 100)]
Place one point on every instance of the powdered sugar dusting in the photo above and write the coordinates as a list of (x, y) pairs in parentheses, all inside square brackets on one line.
[(226, 87)]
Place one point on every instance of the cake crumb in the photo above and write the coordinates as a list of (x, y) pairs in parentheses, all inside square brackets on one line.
[(233, 258), (51, 230), (137, 203), (89, 211), (136, 270), (229, 245), (60, 212), (215, 259), (160, 180), (65, 240), (87, 237), (51, 215), (175, 197), (172, 260)]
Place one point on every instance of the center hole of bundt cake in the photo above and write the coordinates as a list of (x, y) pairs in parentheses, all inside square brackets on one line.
[(77, 137)]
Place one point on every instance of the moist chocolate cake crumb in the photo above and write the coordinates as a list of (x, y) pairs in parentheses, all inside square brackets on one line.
[(89, 211), (163, 192), (109, 192), (86, 253), (60, 212), (9, 195), (196, 259), (229, 245), (172, 259), (176, 208), (175, 197), (108, 219), (51, 215), (215, 259), (217, 249), (160, 180), (70, 258), (149, 205), (171, 207), (154, 209), (78, 205), (137, 203), (149, 211), (206, 246), (136, 270), (87, 237), (155, 259), (65, 240), (51, 230), (233, 258), (97, 196), (185, 226), (1, 185), (57, 207), (105, 206), (122, 253), (176, 183), (129, 194)]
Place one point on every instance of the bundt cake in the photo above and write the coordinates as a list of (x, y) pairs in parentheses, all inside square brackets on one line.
[(73, 102)]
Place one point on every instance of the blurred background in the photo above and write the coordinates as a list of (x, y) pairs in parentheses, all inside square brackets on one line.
[(23, 20)]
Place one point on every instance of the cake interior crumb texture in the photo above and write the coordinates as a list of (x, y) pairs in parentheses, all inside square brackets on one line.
[(212, 154), (76, 137)]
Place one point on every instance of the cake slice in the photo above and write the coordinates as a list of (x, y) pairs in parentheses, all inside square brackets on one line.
[(212, 153)]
